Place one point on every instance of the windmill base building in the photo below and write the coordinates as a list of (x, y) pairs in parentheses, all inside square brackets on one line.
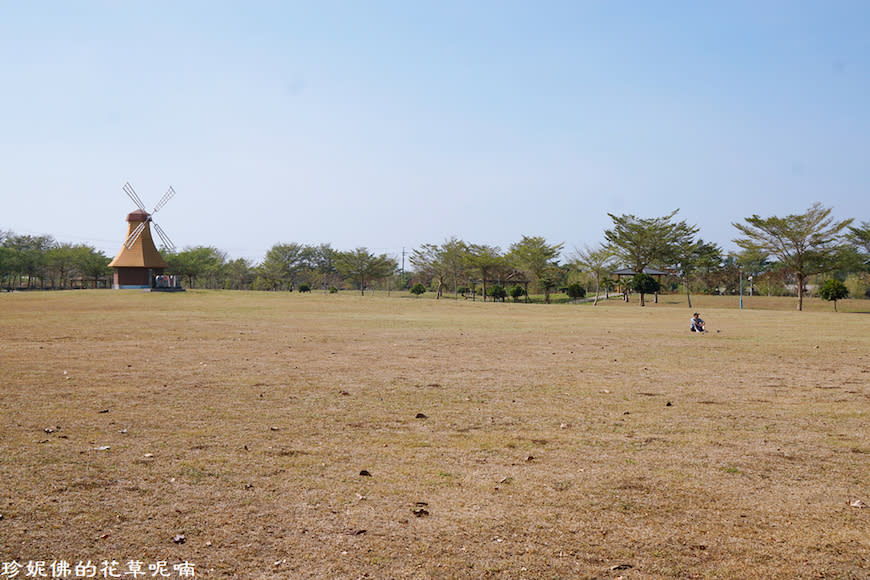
[(138, 265)]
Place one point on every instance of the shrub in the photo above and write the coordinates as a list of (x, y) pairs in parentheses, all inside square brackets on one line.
[(417, 289), (575, 291), (498, 293), (517, 292), (304, 288)]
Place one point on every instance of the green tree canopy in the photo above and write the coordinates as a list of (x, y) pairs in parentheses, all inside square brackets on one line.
[(644, 284), (60, 265), (440, 262), (362, 266), (282, 265), (860, 238), (597, 261), (31, 255), (641, 242), (91, 263), (807, 244), (9, 266), (535, 257), (833, 290), (484, 260), (691, 256), (195, 263)]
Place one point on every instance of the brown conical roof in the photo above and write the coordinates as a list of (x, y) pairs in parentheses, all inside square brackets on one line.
[(143, 253), (140, 215)]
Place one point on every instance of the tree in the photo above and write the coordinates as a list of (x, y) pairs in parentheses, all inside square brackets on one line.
[(598, 261), (237, 274), (31, 257), (91, 263), (860, 237), (440, 262), (320, 266), (694, 255), (536, 258), (833, 290), (195, 263), (484, 260), (59, 262), (361, 266), (550, 279), (755, 264), (517, 292), (807, 244), (8, 266), (644, 284), (282, 264), (417, 289), (640, 242)]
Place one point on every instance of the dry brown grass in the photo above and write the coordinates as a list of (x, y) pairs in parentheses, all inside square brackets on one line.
[(559, 441)]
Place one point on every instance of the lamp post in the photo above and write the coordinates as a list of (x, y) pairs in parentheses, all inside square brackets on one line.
[(741, 288)]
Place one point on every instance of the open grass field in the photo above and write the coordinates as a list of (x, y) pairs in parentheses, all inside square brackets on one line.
[(339, 436)]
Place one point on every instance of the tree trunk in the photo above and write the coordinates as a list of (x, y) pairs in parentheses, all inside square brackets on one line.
[(800, 290), (642, 303), (597, 286), (689, 298)]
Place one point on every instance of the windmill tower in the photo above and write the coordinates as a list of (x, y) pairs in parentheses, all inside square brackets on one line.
[(139, 263)]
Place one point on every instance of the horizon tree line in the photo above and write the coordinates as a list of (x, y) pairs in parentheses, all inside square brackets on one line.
[(775, 252)]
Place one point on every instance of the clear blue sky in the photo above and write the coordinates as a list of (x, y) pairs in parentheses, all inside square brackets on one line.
[(392, 124)]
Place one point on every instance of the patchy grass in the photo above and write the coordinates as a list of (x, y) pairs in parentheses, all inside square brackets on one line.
[(557, 441)]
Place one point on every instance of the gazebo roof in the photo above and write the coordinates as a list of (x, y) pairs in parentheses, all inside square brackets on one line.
[(630, 272)]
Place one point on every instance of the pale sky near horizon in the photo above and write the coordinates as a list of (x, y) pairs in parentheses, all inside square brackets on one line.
[(389, 124)]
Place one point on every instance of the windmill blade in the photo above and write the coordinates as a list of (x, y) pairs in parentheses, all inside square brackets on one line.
[(166, 197), (167, 243), (134, 235), (131, 193)]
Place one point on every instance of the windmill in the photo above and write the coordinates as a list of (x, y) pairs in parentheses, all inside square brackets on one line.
[(138, 263)]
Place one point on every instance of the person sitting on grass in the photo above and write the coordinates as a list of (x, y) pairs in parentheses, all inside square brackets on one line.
[(697, 323)]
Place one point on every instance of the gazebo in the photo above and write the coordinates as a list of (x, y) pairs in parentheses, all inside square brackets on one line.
[(628, 273)]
